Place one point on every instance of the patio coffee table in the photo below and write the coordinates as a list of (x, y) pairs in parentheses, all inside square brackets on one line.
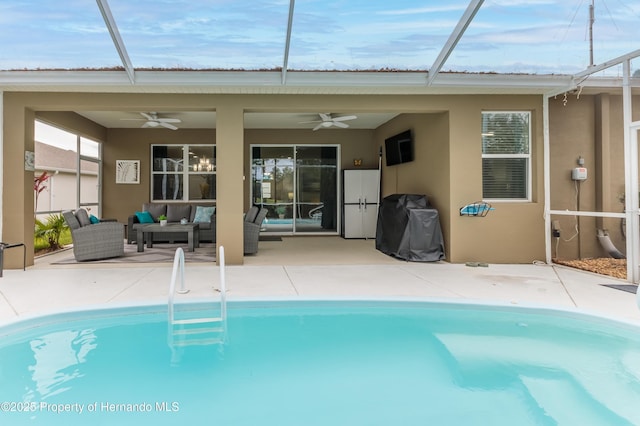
[(192, 230)]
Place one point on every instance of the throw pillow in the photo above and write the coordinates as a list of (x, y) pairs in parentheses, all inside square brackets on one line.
[(144, 217), (83, 217), (94, 219), (203, 214)]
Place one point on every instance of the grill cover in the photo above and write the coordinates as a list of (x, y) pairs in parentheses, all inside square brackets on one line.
[(409, 228)]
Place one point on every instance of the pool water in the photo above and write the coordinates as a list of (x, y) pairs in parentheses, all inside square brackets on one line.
[(324, 363)]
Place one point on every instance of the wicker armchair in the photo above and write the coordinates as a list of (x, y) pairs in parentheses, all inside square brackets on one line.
[(252, 232), (252, 223), (94, 241)]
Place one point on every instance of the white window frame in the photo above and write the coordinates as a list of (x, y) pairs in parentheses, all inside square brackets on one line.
[(528, 197)]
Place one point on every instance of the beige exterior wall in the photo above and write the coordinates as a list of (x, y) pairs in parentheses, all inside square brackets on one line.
[(448, 169), (447, 166), (591, 127)]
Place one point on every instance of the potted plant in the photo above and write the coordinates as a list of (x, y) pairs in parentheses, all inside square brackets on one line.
[(280, 211), (163, 220)]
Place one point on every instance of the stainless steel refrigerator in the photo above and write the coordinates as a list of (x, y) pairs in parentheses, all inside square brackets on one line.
[(361, 189)]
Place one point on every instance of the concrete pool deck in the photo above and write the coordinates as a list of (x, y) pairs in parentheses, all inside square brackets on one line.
[(312, 267)]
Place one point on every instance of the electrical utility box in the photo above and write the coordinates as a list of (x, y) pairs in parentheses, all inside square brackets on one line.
[(579, 173)]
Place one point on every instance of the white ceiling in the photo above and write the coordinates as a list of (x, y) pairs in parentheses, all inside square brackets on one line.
[(253, 120)]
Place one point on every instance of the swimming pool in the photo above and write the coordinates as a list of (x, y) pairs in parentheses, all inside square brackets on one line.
[(324, 363)]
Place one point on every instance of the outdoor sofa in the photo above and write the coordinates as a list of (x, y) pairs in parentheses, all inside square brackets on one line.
[(176, 211), (203, 214)]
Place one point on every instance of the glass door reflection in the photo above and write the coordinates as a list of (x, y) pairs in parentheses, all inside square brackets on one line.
[(298, 186), (273, 183), (316, 189)]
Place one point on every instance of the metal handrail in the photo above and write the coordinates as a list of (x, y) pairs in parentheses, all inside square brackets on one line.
[(223, 286), (178, 265)]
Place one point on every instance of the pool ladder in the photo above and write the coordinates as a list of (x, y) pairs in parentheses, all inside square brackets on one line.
[(185, 330)]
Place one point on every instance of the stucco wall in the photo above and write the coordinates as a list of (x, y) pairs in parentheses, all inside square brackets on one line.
[(591, 127), (448, 168)]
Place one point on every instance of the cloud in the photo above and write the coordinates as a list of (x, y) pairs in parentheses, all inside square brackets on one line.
[(426, 10)]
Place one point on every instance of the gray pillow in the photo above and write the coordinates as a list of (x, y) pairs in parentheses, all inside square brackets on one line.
[(83, 217), (175, 212), (155, 209), (71, 219), (250, 216)]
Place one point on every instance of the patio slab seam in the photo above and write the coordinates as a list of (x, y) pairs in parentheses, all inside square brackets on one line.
[(293, 285), (8, 302)]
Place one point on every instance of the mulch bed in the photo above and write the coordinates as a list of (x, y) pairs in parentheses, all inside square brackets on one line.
[(616, 268)]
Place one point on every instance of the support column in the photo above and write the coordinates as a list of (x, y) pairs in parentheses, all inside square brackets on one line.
[(17, 183), (230, 180), (2, 181), (631, 179)]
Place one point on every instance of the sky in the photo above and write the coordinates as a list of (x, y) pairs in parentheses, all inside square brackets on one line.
[(506, 36)]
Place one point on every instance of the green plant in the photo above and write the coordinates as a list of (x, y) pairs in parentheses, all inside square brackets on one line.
[(162, 217), (51, 230), (42, 245), (281, 210)]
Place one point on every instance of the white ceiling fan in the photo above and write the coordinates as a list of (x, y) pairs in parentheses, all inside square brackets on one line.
[(151, 119), (326, 121)]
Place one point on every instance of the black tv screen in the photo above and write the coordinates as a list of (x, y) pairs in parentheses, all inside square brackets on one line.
[(399, 148)]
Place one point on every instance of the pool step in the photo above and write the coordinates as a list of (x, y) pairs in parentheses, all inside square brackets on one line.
[(186, 329), (198, 331), (197, 320)]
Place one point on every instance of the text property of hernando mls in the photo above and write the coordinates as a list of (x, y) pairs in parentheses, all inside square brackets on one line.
[(92, 407)]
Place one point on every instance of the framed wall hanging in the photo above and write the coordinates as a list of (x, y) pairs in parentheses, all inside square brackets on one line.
[(127, 171)]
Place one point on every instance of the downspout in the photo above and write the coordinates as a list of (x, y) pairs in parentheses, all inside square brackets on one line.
[(607, 245)]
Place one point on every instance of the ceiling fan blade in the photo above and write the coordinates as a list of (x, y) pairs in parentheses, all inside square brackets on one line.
[(325, 117), (150, 116), (167, 125), (339, 124), (344, 118), (132, 119), (150, 124), (169, 120), (319, 126)]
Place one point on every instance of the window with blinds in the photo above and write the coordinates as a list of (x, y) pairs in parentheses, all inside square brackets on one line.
[(506, 156)]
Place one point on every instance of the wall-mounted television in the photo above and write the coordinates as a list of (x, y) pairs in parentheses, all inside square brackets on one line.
[(399, 148)]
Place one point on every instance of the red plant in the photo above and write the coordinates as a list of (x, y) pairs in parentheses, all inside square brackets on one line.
[(39, 185)]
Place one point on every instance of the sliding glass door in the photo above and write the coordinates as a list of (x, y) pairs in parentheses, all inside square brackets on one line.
[(298, 184)]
